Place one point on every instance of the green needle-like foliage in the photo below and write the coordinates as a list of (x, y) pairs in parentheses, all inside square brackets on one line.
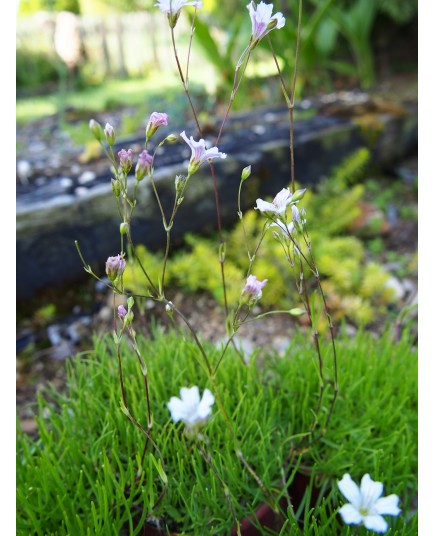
[(83, 475)]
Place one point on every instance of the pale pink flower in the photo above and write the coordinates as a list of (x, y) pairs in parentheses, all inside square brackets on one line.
[(190, 408), (126, 159), (263, 21), (365, 505), (253, 288), (156, 120), (115, 267), (121, 311), (199, 153), (172, 8), (279, 204), (143, 165)]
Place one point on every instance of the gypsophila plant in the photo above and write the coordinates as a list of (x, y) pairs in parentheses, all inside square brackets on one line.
[(284, 218)]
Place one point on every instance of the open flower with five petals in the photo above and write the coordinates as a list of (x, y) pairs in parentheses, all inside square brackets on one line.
[(279, 204), (366, 504), (190, 408), (199, 153), (263, 21)]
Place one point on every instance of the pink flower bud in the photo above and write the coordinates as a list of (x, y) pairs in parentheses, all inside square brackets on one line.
[(144, 164), (115, 267), (126, 159), (157, 119), (109, 132), (121, 311)]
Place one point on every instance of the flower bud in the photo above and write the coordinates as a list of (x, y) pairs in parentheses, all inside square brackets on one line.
[(116, 187), (115, 267), (169, 308), (180, 182), (246, 173), (156, 120), (297, 195), (126, 159), (143, 166), (96, 129), (171, 138), (121, 311), (123, 228), (109, 132)]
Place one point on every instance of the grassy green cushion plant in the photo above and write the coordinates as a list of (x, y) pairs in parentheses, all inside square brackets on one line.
[(84, 474)]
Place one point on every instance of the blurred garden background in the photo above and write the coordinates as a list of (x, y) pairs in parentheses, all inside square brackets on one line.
[(113, 61)]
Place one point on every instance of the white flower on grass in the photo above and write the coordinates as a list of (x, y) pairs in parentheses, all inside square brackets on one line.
[(262, 21), (190, 408), (365, 505), (279, 204), (199, 153)]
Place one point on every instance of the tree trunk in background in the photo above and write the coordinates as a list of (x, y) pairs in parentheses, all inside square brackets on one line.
[(122, 71), (104, 46)]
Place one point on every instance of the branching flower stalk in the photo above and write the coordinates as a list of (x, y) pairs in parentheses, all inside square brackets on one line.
[(298, 253)]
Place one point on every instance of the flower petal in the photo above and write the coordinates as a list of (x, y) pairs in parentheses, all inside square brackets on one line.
[(190, 396), (176, 408), (387, 505), (350, 490), (375, 523), (371, 491), (265, 206), (350, 515), (204, 408)]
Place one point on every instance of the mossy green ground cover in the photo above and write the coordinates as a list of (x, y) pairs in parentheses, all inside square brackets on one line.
[(79, 476)]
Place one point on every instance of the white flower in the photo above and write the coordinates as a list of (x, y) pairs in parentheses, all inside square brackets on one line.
[(190, 408), (199, 153), (286, 228), (172, 8), (279, 204), (365, 505), (263, 22)]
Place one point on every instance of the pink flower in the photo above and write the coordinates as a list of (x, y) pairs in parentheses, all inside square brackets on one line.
[(126, 159), (263, 22), (143, 165), (279, 204), (121, 311), (115, 267), (199, 153), (173, 8), (253, 289), (157, 119)]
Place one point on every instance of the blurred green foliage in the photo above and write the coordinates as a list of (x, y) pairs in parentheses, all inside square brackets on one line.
[(356, 287), (36, 68), (27, 7)]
